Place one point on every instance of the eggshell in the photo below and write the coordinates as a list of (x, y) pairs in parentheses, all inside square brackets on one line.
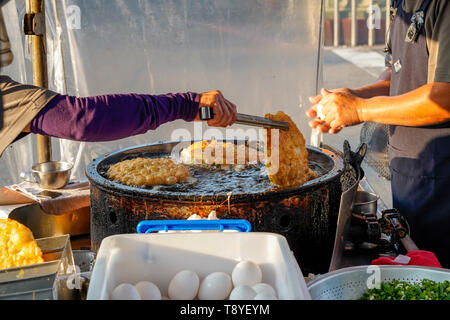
[(264, 287), (184, 285), (246, 273), (148, 290), (242, 293), (125, 291), (215, 286)]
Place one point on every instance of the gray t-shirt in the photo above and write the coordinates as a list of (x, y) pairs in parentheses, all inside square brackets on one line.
[(437, 31)]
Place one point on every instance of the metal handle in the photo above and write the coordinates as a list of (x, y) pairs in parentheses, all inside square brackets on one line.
[(148, 226), (28, 176), (408, 243), (206, 113)]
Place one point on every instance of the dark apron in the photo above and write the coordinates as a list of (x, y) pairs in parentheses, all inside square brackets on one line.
[(419, 157)]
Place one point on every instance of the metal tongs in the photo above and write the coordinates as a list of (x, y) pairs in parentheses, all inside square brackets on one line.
[(206, 113)]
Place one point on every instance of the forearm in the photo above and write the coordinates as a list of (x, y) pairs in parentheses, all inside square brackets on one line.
[(112, 117), (379, 88), (427, 105)]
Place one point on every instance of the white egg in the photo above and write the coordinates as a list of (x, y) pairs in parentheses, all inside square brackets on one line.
[(265, 296), (184, 285), (264, 287), (242, 293), (148, 290), (246, 273), (215, 286), (125, 291)]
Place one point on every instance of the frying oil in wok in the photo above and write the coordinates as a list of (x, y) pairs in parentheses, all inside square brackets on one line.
[(214, 181)]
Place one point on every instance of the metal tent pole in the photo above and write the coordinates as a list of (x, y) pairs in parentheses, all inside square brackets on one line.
[(388, 14), (34, 26), (336, 23), (354, 33), (371, 27)]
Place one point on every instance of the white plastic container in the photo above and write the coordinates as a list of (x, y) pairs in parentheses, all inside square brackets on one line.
[(157, 257)]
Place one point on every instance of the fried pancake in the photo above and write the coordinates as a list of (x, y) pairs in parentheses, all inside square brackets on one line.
[(218, 153), (144, 172), (286, 155), (17, 245)]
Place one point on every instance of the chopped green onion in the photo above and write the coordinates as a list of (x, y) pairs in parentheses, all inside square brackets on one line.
[(400, 290)]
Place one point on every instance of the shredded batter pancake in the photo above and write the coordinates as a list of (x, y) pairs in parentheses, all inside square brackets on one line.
[(144, 172), (286, 156), (218, 153)]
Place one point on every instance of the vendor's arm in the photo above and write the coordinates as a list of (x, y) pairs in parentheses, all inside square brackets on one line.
[(111, 117), (427, 105)]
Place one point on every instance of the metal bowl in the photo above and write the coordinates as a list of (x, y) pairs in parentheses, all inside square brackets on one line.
[(52, 175), (365, 202), (351, 283)]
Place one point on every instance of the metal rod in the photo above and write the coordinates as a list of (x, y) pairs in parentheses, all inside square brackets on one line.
[(388, 14), (336, 23), (371, 22), (44, 147), (316, 137), (354, 34), (59, 39), (261, 122), (206, 113)]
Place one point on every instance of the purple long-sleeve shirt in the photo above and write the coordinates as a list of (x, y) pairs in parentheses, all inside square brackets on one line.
[(112, 117)]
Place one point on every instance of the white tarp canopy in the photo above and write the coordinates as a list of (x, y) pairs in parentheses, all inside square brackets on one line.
[(264, 55)]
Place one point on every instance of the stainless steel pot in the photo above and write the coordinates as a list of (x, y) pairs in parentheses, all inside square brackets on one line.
[(365, 202)]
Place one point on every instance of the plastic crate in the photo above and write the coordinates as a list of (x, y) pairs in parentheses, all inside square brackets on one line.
[(157, 257)]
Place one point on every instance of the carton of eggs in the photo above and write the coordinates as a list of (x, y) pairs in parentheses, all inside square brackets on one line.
[(244, 283)]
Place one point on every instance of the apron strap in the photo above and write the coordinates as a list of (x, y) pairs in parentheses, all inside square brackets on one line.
[(417, 22), (387, 48), (424, 5)]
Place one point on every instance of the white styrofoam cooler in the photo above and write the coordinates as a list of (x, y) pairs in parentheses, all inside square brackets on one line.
[(157, 257)]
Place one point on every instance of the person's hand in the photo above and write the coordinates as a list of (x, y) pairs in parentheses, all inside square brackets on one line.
[(340, 108), (225, 112), (312, 112)]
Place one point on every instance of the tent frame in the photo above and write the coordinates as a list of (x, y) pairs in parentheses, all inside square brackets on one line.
[(34, 27)]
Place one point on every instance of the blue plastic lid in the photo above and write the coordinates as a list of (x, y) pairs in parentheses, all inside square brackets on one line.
[(148, 226)]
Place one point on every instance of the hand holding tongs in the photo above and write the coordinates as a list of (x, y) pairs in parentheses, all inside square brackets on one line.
[(206, 113)]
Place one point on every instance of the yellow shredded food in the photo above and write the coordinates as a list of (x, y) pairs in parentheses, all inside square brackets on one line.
[(219, 153), (17, 245), (148, 172), (286, 157)]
